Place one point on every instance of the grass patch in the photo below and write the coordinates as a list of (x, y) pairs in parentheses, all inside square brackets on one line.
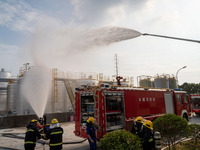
[(188, 145)]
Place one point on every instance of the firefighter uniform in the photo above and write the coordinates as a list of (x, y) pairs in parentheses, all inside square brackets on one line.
[(90, 130), (137, 127), (32, 135), (148, 143), (55, 135)]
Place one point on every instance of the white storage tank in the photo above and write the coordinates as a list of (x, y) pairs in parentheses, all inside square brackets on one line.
[(3, 102), (3, 90), (4, 75), (173, 83), (12, 98), (145, 81), (161, 81)]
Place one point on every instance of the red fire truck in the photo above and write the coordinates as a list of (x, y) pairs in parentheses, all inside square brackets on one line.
[(195, 101), (115, 107)]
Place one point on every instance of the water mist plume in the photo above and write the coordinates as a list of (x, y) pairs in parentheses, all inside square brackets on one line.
[(52, 45), (36, 87), (108, 35)]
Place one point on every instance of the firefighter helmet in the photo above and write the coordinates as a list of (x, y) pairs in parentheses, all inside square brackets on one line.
[(34, 121), (139, 119), (90, 120), (54, 121), (148, 124)]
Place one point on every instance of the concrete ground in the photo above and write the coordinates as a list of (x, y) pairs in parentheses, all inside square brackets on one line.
[(68, 136), (16, 143)]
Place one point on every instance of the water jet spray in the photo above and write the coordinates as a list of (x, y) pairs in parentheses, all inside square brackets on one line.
[(36, 88)]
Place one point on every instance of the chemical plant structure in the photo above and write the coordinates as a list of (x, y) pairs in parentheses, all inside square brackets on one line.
[(61, 100)]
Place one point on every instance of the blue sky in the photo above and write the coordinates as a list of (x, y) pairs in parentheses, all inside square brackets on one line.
[(42, 32)]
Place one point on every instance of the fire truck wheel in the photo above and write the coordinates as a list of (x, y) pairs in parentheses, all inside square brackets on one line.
[(185, 116)]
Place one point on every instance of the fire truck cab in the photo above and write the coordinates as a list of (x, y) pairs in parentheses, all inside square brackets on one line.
[(115, 107), (195, 103)]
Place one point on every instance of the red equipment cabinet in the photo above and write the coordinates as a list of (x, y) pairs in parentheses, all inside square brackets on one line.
[(116, 107), (195, 101)]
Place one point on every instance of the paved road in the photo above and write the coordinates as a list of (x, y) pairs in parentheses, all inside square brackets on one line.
[(195, 119), (68, 136), (18, 143)]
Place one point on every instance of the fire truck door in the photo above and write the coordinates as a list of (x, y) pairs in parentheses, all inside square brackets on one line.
[(187, 102), (169, 103), (179, 104), (114, 111)]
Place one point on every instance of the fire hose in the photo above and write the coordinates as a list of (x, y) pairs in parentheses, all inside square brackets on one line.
[(43, 122), (15, 135)]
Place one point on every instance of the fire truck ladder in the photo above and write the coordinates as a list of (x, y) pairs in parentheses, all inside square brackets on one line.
[(54, 88), (96, 102), (70, 92)]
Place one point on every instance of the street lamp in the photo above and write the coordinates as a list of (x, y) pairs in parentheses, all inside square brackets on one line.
[(177, 74)]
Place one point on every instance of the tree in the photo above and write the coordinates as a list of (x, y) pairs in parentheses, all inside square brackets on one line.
[(191, 88), (171, 127), (195, 131), (120, 139)]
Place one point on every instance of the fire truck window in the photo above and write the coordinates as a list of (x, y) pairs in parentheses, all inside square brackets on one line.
[(114, 112), (113, 103), (185, 98), (178, 97), (114, 121), (87, 108), (195, 103)]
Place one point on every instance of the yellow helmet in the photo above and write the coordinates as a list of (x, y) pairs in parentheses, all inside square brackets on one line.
[(139, 119), (90, 120), (34, 121), (148, 124), (54, 121)]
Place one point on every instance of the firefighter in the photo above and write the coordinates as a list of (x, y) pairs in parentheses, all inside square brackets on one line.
[(32, 135), (55, 133), (148, 143), (91, 133), (137, 127)]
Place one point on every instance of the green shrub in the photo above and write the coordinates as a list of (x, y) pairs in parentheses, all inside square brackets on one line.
[(195, 132), (171, 127), (120, 140)]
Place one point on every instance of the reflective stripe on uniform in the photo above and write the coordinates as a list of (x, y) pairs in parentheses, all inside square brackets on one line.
[(30, 130), (56, 144), (29, 142), (59, 132), (150, 140)]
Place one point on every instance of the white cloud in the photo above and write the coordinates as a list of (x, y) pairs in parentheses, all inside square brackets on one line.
[(98, 13), (18, 15), (120, 11)]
